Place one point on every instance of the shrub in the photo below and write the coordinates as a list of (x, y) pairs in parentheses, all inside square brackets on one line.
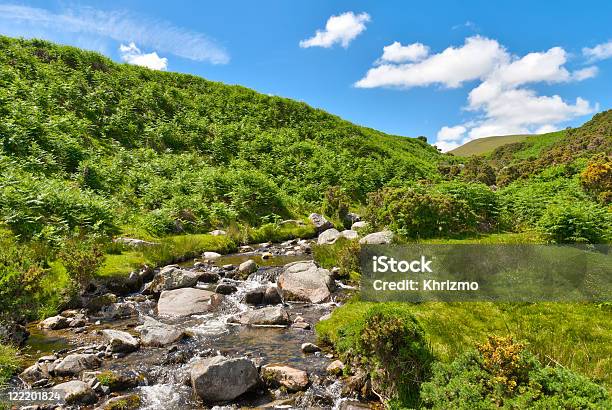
[(576, 222), (477, 169), (81, 257), (597, 178), (503, 374), (336, 204), (10, 363)]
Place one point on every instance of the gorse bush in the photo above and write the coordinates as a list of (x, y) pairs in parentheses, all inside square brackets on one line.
[(502, 374), (597, 178)]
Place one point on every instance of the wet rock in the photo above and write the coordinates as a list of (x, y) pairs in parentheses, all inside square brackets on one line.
[(267, 255), (349, 234), (271, 296), (125, 402), (226, 288), (245, 249), (211, 255), (305, 282), (48, 358), (119, 380), (310, 348), (276, 375), (33, 374), (77, 392), (218, 232), (120, 342), (74, 364), (377, 238), (95, 303), (156, 333), (119, 310), (186, 302), (353, 405), (247, 267), (335, 368), (219, 379), (274, 315), (359, 225), (54, 323), (255, 296), (328, 237), (320, 222), (173, 277), (78, 321), (300, 323), (209, 277)]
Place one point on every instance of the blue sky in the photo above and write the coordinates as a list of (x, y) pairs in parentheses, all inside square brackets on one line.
[(451, 71)]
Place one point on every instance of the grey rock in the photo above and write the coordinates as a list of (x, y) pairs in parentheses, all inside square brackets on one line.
[(119, 310), (350, 218), (310, 348), (54, 323), (218, 232), (273, 315), (156, 333), (77, 392), (349, 234), (74, 364), (173, 277), (209, 277), (304, 281), (255, 296), (211, 255), (328, 237), (271, 296), (219, 379), (280, 375), (187, 301), (320, 222), (359, 225), (247, 267), (226, 288), (377, 238), (120, 342)]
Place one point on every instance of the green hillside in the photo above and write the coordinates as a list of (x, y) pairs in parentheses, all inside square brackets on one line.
[(483, 146)]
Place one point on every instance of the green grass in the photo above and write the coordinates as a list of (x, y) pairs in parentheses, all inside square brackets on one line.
[(10, 362), (576, 336), (483, 146)]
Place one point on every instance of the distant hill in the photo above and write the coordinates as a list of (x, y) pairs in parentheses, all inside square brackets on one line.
[(486, 145)]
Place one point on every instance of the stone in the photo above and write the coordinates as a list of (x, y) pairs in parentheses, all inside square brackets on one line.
[(95, 303), (276, 375), (304, 281), (134, 242), (310, 347), (350, 218), (54, 323), (320, 222), (33, 374), (124, 402), (209, 277), (187, 301), (211, 255), (274, 315), (73, 364), (377, 238), (120, 380), (245, 249), (173, 277), (247, 267), (119, 310), (220, 379), (349, 234), (328, 237), (76, 392), (271, 296), (119, 341), (218, 232), (255, 296), (359, 225), (301, 325), (267, 255), (155, 333), (336, 368), (226, 288)]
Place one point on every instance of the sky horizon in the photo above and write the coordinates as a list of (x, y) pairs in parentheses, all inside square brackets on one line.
[(447, 71)]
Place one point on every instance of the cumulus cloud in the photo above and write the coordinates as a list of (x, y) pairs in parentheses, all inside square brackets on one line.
[(341, 29), (502, 102), (115, 25), (599, 52), (450, 68), (132, 55), (397, 53)]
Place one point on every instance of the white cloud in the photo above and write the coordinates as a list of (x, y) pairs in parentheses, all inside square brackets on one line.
[(451, 68), (585, 73), (119, 26), (546, 128), (599, 52), (397, 53), (451, 133), (342, 29), (446, 146), (132, 55)]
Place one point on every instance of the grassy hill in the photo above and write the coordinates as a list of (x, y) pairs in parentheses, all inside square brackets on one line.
[(484, 146)]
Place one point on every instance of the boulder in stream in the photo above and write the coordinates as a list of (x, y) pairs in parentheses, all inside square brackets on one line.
[(173, 277), (268, 316), (73, 364), (187, 301), (304, 281), (120, 342), (218, 379), (156, 333), (247, 267), (292, 379), (77, 392), (226, 288), (54, 323)]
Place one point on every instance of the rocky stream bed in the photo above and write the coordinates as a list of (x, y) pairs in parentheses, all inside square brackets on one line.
[(220, 331)]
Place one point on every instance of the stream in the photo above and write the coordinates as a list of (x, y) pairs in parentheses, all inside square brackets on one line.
[(163, 373)]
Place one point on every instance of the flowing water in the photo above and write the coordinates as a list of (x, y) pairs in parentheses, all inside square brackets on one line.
[(165, 370)]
